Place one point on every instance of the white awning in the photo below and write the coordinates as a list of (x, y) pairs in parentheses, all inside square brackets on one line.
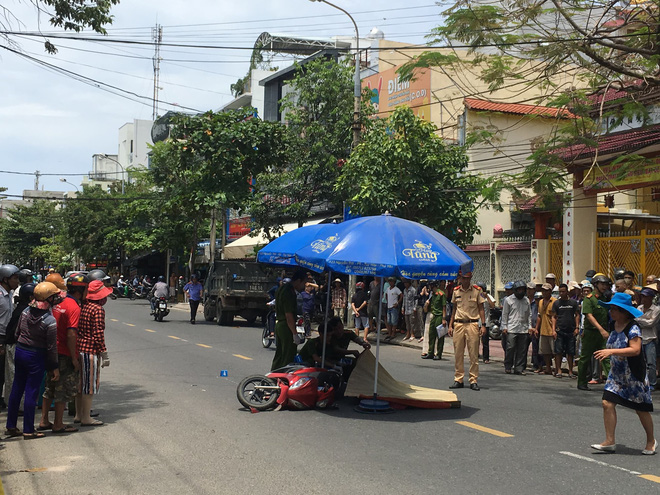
[(244, 246)]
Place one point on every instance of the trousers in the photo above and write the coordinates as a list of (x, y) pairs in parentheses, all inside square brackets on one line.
[(433, 337), (592, 341), (193, 309), (30, 367), (466, 335), (649, 350), (286, 349), (516, 351)]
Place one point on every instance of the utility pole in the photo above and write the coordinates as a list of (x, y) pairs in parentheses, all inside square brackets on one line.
[(37, 174), (157, 36)]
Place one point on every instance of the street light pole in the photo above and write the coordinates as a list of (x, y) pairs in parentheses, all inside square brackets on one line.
[(357, 84), (70, 183), (123, 171)]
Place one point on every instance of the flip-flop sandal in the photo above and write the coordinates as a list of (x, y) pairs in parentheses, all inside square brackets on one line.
[(66, 429), (559, 375), (32, 436), (94, 423), (13, 432), (571, 375), (45, 428)]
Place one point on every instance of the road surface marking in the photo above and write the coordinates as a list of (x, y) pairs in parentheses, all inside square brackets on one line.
[(497, 433), (149, 330), (205, 346), (650, 477), (184, 340), (173, 337), (113, 319), (128, 324), (601, 463), (242, 357)]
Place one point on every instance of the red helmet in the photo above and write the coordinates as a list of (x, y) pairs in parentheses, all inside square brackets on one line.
[(359, 285)]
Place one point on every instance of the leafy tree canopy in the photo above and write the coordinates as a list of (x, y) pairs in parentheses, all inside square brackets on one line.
[(403, 167), (70, 15)]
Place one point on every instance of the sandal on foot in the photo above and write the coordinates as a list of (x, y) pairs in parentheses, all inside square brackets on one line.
[(32, 436), (45, 428), (13, 432), (96, 422), (66, 429), (559, 375)]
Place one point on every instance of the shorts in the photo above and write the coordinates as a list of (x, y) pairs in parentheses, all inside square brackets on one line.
[(172, 291), (392, 316), (90, 373), (372, 310), (565, 343), (362, 322), (546, 345), (66, 388)]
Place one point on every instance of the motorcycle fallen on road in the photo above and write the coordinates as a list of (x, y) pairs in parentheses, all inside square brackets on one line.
[(296, 386)]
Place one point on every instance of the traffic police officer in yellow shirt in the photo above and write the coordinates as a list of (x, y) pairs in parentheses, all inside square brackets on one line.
[(467, 309)]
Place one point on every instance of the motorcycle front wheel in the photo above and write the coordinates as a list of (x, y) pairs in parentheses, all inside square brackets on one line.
[(266, 340), (251, 396)]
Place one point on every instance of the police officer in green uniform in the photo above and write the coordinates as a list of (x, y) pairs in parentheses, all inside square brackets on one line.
[(595, 332), (286, 309), (437, 306)]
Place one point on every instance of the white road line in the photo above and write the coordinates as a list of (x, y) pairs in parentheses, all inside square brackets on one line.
[(605, 464)]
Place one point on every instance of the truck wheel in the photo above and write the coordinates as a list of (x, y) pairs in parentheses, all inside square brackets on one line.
[(209, 314), (227, 318)]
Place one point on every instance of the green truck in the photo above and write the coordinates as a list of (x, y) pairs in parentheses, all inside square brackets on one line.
[(237, 288)]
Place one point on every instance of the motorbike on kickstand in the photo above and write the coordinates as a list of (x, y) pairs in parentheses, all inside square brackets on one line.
[(295, 386), (268, 334), (160, 309)]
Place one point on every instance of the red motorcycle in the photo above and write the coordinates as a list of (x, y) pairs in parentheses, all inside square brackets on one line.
[(295, 386)]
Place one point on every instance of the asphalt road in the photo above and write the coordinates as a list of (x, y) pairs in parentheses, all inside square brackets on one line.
[(173, 425)]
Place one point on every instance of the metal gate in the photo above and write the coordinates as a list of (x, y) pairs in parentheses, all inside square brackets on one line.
[(637, 251)]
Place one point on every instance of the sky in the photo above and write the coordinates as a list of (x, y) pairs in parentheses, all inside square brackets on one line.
[(54, 123)]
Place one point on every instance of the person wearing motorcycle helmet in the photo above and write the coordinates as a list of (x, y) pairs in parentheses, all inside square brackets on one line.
[(595, 334), (8, 283), (98, 274), (36, 352), (160, 289), (589, 275), (67, 316), (516, 326)]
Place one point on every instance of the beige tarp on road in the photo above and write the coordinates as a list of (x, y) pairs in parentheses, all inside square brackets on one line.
[(361, 384)]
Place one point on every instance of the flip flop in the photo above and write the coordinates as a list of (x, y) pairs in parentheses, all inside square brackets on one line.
[(93, 423), (45, 428), (13, 432), (67, 429), (32, 436)]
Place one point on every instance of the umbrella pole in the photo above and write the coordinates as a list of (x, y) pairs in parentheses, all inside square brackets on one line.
[(327, 309), (380, 313)]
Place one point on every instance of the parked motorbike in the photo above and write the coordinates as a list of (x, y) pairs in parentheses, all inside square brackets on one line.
[(160, 309), (494, 330), (295, 386)]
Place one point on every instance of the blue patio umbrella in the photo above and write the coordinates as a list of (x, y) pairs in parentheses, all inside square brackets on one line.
[(282, 250), (383, 246)]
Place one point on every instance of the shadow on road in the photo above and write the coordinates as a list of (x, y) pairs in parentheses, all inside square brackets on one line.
[(129, 400)]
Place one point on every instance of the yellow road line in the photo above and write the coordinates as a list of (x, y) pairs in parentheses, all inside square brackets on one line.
[(173, 337), (129, 324), (113, 319), (205, 346), (242, 357), (497, 433), (650, 477), (149, 330)]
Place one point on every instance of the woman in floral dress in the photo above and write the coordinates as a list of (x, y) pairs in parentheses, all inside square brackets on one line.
[(627, 383)]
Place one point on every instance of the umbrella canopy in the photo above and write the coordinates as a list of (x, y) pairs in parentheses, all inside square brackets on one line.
[(383, 246), (282, 250)]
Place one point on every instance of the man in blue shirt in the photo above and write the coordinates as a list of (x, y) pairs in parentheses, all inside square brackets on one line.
[(195, 291)]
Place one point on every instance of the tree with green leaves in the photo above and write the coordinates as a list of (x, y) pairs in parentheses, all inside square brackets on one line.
[(209, 164), (32, 236), (568, 52), (70, 15), (318, 111), (403, 167)]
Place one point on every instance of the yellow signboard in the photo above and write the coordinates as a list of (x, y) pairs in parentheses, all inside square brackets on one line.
[(609, 177), (389, 92)]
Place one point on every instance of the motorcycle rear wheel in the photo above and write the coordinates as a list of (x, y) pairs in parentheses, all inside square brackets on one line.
[(252, 398)]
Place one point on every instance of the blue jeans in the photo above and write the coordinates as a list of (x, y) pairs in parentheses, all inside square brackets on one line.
[(650, 354), (393, 316), (30, 368)]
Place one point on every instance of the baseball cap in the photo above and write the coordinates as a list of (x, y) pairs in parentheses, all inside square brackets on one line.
[(551, 275), (546, 286), (508, 285)]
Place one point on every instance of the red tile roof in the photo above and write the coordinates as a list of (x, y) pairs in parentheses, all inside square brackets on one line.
[(632, 140), (516, 108)]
